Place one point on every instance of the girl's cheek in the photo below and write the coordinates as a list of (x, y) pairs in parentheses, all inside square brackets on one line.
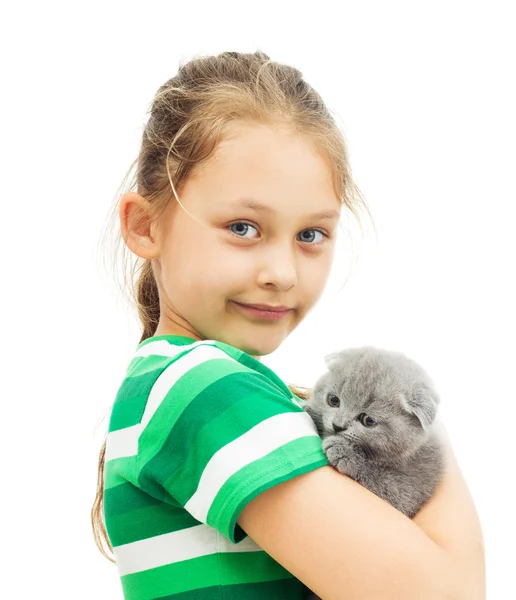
[(318, 274)]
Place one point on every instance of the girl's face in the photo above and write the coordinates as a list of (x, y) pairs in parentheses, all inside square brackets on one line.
[(268, 203)]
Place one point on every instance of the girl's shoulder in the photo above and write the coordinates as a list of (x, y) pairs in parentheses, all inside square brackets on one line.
[(201, 356)]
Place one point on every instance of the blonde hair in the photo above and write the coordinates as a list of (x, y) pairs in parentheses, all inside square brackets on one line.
[(186, 122)]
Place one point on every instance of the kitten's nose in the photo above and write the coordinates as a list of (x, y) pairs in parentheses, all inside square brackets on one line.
[(339, 428)]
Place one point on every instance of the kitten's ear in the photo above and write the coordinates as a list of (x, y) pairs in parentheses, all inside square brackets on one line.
[(348, 354), (329, 359), (422, 403)]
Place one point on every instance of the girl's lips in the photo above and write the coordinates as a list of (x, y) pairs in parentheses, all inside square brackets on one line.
[(270, 314), (267, 307)]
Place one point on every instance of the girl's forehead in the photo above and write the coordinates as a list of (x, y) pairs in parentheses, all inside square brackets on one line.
[(264, 145), (259, 172)]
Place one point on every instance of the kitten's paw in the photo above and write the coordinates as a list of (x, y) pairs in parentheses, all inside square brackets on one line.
[(348, 466), (327, 444), (341, 457)]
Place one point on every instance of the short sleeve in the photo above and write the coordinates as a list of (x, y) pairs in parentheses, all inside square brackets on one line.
[(215, 433)]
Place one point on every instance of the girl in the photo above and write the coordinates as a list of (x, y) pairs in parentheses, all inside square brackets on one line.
[(215, 484)]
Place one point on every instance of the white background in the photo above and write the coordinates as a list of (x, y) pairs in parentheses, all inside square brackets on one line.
[(425, 93)]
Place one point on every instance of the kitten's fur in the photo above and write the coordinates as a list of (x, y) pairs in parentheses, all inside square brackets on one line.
[(400, 458)]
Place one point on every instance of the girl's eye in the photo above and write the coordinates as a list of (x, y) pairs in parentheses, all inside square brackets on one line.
[(240, 229), (308, 235), (366, 420), (333, 400)]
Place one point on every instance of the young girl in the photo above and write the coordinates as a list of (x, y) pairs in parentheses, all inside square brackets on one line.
[(215, 485)]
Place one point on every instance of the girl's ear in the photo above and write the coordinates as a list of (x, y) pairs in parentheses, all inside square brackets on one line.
[(136, 225)]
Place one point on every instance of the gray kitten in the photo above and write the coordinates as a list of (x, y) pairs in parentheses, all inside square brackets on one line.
[(375, 411)]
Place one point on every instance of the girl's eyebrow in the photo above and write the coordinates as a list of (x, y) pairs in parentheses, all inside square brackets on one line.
[(258, 206)]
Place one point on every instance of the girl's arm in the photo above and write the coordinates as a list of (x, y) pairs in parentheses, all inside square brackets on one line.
[(342, 540), (450, 519)]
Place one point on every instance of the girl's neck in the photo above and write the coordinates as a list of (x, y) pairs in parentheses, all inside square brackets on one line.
[(175, 329)]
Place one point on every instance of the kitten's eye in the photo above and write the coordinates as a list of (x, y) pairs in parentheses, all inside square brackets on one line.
[(332, 400), (366, 420)]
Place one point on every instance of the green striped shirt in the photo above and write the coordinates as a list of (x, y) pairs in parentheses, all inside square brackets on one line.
[(197, 430)]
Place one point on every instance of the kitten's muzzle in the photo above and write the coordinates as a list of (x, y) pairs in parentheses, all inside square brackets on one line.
[(339, 428)]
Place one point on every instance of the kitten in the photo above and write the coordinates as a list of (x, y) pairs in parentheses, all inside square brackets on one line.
[(375, 411)]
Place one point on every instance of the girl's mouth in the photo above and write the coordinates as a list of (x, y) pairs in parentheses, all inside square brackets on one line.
[(268, 315)]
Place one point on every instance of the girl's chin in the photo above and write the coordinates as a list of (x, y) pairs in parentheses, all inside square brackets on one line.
[(253, 342), (259, 350)]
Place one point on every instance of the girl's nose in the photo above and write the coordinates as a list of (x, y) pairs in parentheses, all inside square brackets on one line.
[(280, 269)]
